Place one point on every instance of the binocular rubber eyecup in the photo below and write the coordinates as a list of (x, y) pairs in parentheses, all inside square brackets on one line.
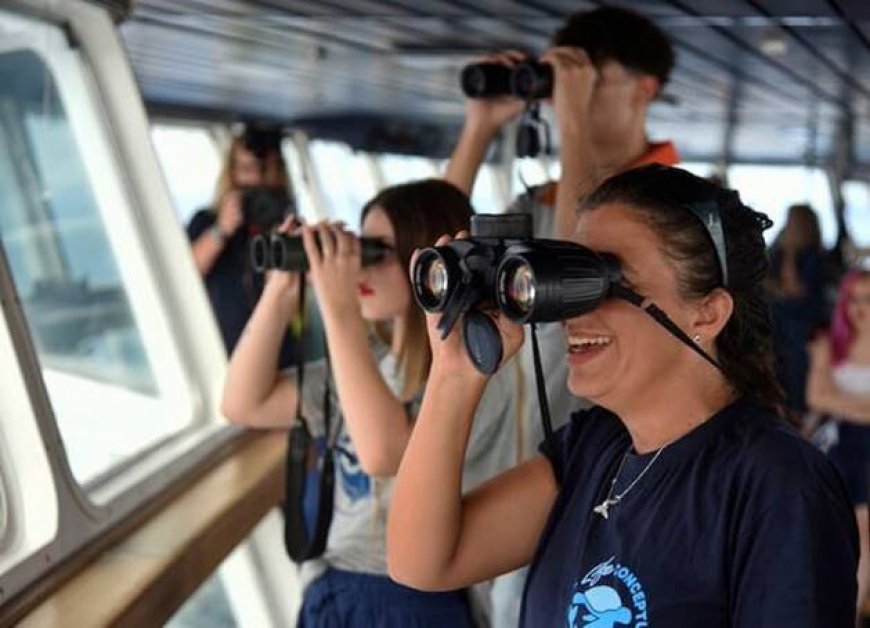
[(259, 253)]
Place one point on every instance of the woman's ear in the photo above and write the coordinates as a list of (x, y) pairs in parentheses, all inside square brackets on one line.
[(713, 313)]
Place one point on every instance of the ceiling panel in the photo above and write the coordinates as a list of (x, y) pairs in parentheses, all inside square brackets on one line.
[(795, 67)]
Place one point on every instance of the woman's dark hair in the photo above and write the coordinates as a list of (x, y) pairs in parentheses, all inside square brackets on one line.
[(419, 213), (622, 35), (661, 195)]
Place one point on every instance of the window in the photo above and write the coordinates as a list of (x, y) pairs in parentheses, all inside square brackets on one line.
[(485, 197), (346, 178), (404, 168), (256, 585), (302, 186), (79, 268), (772, 189), (857, 197), (191, 165), (531, 173)]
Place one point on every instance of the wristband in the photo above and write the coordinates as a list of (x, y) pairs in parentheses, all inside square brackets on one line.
[(217, 234)]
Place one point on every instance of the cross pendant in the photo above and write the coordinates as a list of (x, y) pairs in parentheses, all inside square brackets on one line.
[(603, 507)]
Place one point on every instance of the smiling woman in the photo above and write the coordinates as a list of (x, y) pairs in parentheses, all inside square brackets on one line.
[(667, 502)]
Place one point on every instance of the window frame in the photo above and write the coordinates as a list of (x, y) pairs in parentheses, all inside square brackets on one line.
[(84, 523)]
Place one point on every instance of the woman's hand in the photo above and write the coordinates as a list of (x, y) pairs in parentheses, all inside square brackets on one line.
[(283, 286), (334, 266), (449, 356), (229, 216)]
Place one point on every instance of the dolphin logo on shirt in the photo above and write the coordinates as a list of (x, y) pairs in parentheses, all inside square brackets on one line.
[(601, 606)]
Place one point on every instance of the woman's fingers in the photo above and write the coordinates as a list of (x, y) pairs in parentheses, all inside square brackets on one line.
[(345, 242), (309, 243)]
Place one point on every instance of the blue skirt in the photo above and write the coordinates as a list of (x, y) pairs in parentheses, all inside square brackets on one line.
[(344, 599)]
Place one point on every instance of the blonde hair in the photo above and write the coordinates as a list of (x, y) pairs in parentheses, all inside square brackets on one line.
[(225, 183)]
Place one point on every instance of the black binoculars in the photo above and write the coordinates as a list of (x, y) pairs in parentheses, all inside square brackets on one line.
[(529, 80), (502, 267), (279, 251)]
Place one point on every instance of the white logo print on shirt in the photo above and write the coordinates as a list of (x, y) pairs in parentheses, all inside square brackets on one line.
[(594, 605)]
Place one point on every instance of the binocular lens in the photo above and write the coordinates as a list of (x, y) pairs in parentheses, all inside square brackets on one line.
[(432, 280), (519, 289), (435, 281)]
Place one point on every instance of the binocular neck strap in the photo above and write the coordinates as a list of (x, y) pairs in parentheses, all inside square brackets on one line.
[(300, 361), (542, 390), (662, 319)]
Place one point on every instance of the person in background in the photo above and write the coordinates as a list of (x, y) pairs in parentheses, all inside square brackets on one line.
[(681, 498), (797, 283), (219, 235), (378, 392), (839, 386), (609, 65)]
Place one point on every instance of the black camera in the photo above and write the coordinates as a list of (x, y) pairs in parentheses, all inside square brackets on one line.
[(501, 267), (279, 251), (264, 207), (529, 80)]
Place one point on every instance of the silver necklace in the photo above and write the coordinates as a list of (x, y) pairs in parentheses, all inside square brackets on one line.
[(609, 501)]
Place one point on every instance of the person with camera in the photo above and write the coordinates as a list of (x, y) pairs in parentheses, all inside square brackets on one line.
[(378, 395), (254, 169), (681, 498)]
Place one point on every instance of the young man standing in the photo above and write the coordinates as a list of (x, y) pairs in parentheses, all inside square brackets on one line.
[(608, 66)]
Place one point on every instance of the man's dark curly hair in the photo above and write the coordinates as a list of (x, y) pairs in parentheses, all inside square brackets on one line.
[(622, 35)]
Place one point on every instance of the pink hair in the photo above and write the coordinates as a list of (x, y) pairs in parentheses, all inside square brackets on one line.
[(842, 334)]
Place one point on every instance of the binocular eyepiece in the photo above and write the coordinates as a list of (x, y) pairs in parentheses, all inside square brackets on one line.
[(529, 80), (501, 267), (279, 251)]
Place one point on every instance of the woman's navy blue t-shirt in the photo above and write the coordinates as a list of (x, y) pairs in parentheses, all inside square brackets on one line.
[(233, 287), (738, 523)]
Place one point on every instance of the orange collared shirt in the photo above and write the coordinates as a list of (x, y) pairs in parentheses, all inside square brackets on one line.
[(664, 153)]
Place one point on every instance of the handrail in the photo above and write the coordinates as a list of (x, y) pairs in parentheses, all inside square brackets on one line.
[(147, 576)]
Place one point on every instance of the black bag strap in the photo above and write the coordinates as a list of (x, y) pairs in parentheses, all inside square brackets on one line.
[(300, 449)]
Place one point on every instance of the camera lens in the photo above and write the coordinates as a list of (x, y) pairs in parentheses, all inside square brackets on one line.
[(432, 279)]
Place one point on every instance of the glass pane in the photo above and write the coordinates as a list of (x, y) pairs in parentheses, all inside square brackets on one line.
[(484, 197), (301, 184), (403, 168), (103, 389), (208, 606), (346, 178), (772, 189), (529, 172), (4, 514), (191, 164), (704, 169), (857, 197)]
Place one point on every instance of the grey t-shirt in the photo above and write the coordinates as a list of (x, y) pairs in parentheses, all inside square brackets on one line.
[(357, 537)]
